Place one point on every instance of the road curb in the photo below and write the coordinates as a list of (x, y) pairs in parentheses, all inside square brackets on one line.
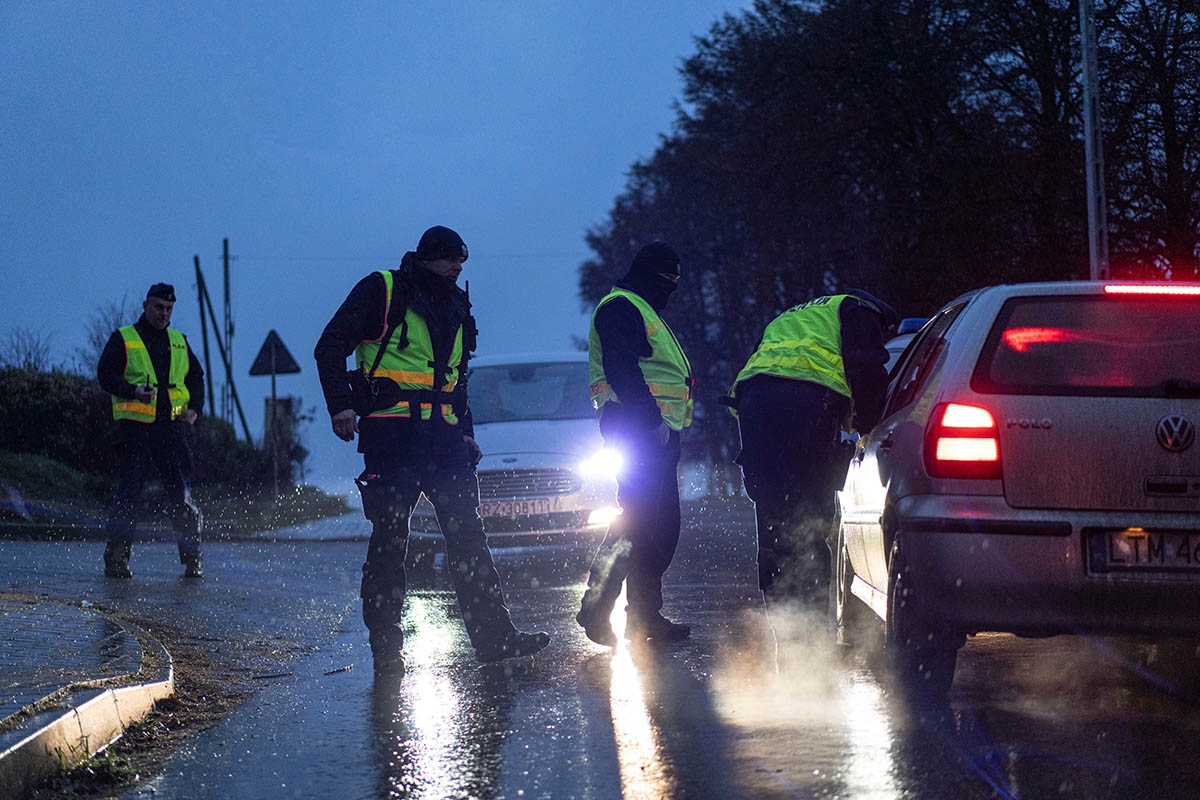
[(84, 730)]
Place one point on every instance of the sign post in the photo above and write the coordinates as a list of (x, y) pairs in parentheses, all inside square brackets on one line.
[(274, 359)]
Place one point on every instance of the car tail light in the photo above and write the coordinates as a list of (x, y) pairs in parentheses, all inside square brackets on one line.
[(1151, 288), (962, 442)]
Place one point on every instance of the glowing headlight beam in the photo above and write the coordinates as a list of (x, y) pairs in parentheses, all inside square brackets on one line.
[(606, 462)]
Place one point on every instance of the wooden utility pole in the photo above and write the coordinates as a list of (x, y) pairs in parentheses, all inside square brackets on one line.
[(227, 392), (212, 408), (207, 298)]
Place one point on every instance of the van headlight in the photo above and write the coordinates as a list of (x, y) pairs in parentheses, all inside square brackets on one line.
[(606, 462)]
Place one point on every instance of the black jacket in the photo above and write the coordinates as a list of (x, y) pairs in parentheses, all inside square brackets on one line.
[(864, 321), (110, 371), (443, 306), (622, 333)]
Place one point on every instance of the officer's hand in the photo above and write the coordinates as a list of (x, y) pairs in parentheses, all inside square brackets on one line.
[(662, 434), (144, 393), (474, 449), (189, 416), (345, 423)]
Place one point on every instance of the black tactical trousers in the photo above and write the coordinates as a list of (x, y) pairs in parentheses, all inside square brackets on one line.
[(165, 446), (641, 542), (391, 487), (791, 452)]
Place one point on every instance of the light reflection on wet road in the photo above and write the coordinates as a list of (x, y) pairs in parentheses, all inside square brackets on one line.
[(711, 717)]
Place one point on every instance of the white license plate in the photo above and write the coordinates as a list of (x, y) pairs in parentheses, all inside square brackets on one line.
[(518, 508), (1147, 550)]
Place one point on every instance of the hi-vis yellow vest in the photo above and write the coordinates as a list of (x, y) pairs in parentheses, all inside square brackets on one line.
[(411, 367), (803, 343), (666, 371), (139, 371)]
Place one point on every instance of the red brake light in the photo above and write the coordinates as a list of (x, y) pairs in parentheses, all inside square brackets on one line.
[(962, 442), (1151, 288), (958, 415)]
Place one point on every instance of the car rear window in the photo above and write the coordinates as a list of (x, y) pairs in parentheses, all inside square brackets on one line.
[(512, 392), (1094, 345)]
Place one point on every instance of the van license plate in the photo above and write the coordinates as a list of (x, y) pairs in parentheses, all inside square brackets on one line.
[(517, 508), (1145, 550)]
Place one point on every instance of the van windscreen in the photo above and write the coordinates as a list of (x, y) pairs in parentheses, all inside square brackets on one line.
[(1094, 345), (512, 392)]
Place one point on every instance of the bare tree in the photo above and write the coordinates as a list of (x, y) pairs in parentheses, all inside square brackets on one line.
[(100, 325), (26, 348)]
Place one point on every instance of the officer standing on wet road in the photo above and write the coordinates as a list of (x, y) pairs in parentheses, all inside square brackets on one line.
[(157, 388), (411, 333), (641, 384), (819, 368)]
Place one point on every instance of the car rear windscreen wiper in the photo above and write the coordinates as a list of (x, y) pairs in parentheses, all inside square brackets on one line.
[(1181, 387)]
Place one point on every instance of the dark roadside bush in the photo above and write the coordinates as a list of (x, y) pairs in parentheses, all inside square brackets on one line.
[(68, 418), (220, 457), (56, 414)]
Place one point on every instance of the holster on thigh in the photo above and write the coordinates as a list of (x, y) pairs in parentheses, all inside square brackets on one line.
[(382, 499)]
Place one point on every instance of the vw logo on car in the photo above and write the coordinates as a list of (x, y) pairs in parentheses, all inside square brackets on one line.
[(1175, 433)]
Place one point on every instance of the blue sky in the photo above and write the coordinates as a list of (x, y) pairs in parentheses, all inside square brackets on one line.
[(321, 139)]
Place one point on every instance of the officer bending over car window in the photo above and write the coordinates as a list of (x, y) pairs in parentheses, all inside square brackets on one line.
[(411, 333), (819, 367)]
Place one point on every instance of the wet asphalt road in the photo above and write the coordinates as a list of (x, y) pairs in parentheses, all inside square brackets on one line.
[(1064, 717)]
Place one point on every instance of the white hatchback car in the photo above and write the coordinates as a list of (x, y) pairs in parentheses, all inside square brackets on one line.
[(1034, 472), (545, 472)]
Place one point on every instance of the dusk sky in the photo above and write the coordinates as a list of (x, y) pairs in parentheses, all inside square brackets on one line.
[(321, 139)]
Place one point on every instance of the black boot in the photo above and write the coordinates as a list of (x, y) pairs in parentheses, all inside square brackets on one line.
[(387, 651), (656, 628), (514, 645), (609, 568), (116, 560), (596, 625)]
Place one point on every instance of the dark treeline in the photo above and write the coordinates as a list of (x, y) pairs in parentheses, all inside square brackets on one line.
[(915, 149)]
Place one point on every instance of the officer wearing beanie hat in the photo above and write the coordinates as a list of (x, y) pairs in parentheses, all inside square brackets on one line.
[(641, 385), (157, 388), (441, 242), (411, 332)]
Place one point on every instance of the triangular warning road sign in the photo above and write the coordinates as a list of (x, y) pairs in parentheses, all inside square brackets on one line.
[(284, 364)]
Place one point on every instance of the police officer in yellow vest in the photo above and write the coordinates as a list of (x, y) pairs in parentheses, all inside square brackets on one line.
[(641, 385), (411, 333), (819, 369), (157, 388)]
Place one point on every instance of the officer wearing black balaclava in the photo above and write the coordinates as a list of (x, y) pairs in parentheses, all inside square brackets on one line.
[(641, 385)]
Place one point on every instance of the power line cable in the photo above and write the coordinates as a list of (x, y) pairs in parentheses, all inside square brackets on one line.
[(490, 256)]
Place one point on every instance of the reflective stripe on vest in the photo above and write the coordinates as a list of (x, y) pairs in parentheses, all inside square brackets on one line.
[(410, 368), (666, 371), (803, 343), (139, 370)]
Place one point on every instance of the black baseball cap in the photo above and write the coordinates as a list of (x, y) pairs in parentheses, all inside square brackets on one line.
[(441, 242), (164, 291)]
